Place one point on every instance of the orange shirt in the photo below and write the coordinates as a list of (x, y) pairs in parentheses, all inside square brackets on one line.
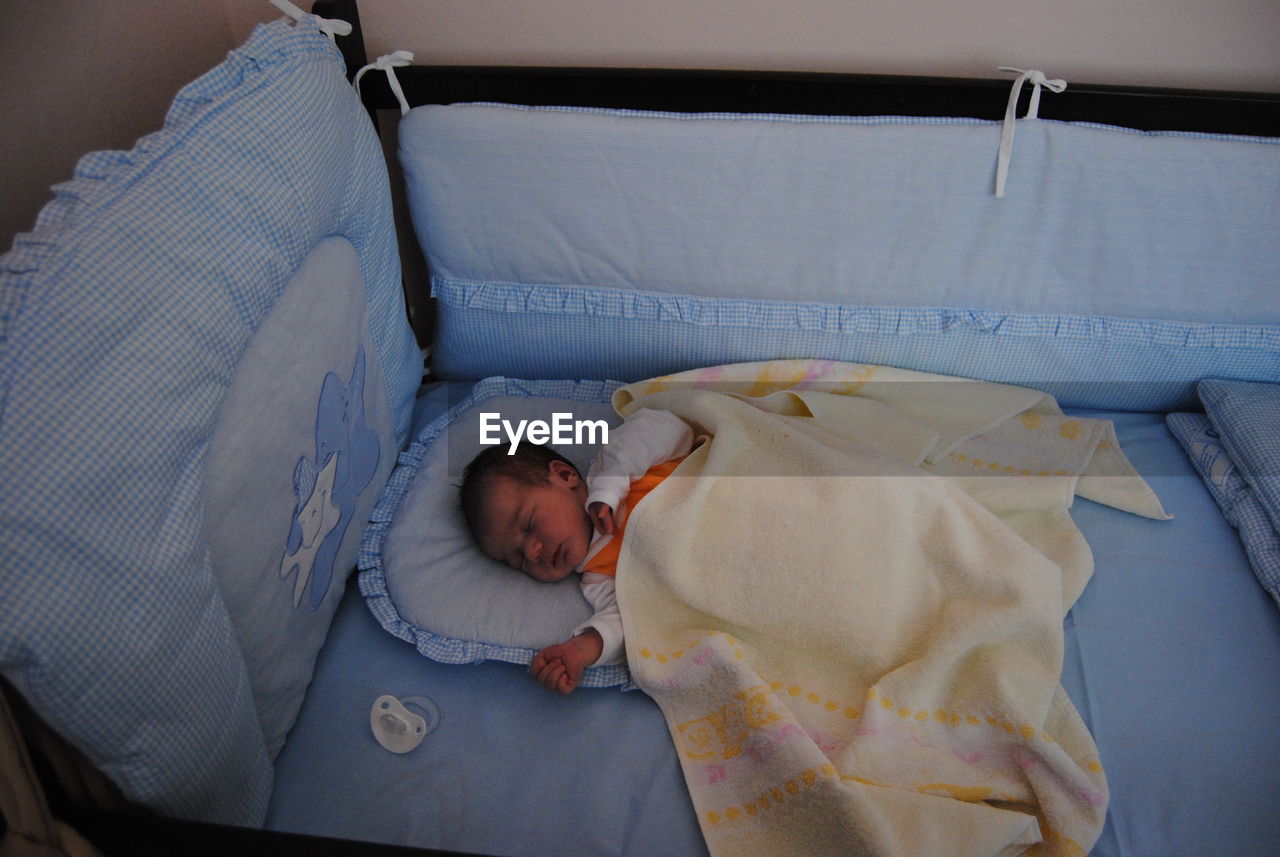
[(605, 561)]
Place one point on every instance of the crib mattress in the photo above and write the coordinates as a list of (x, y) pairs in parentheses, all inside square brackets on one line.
[(1172, 658)]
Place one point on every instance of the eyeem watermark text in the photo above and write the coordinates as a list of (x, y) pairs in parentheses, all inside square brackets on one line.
[(562, 430)]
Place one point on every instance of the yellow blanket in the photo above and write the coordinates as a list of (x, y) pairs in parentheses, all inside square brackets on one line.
[(852, 617)]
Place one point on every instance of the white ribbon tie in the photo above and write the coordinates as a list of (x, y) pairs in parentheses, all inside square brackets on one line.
[(329, 26), (1037, 80), (388, 63)]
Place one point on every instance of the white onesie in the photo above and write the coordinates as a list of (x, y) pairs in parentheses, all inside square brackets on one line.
[(647, 438)]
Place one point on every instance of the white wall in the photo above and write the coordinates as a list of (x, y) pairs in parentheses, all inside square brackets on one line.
[(76, 76), (1216, 44)]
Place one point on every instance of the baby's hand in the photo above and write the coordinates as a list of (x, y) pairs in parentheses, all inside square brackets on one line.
[(602, 516), (560, 666)]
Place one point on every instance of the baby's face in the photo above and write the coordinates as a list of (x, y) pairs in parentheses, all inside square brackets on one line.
[(541, 530)]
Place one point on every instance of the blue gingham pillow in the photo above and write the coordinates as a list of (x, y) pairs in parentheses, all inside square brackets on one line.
[(1204, 445), (123, 319), (1247, 415)]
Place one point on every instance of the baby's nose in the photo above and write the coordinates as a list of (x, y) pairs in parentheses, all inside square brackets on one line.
[(533, 551)]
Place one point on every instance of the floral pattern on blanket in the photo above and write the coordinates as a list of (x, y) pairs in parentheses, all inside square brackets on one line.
[(737, 739)]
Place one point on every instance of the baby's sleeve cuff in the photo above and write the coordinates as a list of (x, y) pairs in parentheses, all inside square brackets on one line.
[(609, 490), (614, 651)]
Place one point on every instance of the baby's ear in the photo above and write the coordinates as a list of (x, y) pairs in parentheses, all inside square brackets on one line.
[(564, 473)]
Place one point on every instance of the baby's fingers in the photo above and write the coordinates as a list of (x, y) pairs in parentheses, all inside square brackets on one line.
[(552, 677)]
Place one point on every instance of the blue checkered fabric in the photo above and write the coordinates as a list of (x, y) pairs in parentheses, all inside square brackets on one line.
[(817, 119), (122, 317), (1088, 362), (1209, 440), (1247, 416), (373, 577), (1120, 268)]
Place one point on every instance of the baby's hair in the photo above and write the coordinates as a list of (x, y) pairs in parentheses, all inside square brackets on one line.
[(529, 465)]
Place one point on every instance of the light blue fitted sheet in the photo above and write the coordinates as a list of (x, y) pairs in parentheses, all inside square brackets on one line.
[(1173, 659)]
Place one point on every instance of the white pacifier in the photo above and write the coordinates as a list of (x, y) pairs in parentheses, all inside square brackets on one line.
[(397, 728)]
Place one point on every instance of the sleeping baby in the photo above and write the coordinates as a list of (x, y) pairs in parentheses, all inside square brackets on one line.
[(533, 511)]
